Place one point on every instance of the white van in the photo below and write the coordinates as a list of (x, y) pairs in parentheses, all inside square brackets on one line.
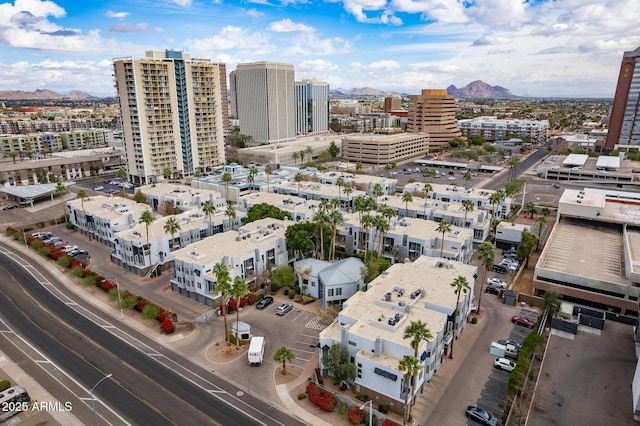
[(256, 350)]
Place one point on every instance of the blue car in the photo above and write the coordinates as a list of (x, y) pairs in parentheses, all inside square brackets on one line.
[(481, 415)]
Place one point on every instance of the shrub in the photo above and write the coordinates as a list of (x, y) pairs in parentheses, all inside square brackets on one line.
[(140, 304), (64, 261), (4, 385), (113, 294), (356, 415), (474, 320), (36, 243), (307, 299), (40, 225), (232, 306), (243, 302), (150, 311), (129, 300), (342, 409), (286, 291), (167, 326), (384, 409), (292, 295), (253, 298), (388, 423), (89, 281), (70, 226), (77, 271), (53, 222), (302, 396), (44, 250)]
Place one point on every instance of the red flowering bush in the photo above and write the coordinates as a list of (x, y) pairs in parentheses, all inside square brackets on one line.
[(388, 423), (356, 415), (232, 306), (167, 326), (141, 304), (325, 400), (243, 302), (107, 285)]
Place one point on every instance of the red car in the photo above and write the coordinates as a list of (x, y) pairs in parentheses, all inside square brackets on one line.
[(520, 320)]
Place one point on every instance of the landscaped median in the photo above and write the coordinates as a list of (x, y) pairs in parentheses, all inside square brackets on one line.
[(87, 278)]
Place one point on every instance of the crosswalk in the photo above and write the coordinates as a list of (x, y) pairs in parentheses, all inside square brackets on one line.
[(314, 324)]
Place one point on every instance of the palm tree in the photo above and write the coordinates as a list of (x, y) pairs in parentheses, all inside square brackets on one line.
[(443, 227), (197, 174), (545, 211), (122, 175), (340, 184), (513, 164), (387, 168), (335, 217), (417, 331), (467, 176), (147, 218), (302, 154), (321, 218), (231, 214), (209, 208), (407, 198), (268, 169), (360, 205), (309, 151), (366, 223), (60, 188), (426, 189), (486, 254), (348, 189), (226, 179), (382, 226), (530, 207), (238, 291), (223, 287), (468, 207), (252, 177), (82, 194), (299, 177), (411, 366), (284, 354), (461, 285), (377, 191), (295, 156), (172, 226), (541, 222)]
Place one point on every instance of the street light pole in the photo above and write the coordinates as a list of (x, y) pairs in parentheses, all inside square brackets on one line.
[(93, 401), (370, 402)]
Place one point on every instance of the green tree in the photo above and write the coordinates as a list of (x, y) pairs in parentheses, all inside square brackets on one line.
[(197, 174), (337, 362), (41, 175), (300, 239), (167, 172), (295, 156), (467, 205), (406, 199), (302, 153), (460, 285), (139, 197), (264, 210), (426, 189), (335, 218), (545, 211), (309, 151), (209, 209), (333, 150), (417, 331), (348, 189), (377, 191), (486, 254), (514, 186), (282, 276), (147, 218), (239, 289), (171, 226), (322, 218), (525, 247), (226, 179), (530, 207), (340, 184), (223, 286), (551, 299), (252, 176), (122, 175), (513, 166), (411, 367), (444, 227), (282, 355), (359, 166)]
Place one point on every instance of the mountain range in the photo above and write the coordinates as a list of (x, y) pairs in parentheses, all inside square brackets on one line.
[(476, 89), (45, 94)]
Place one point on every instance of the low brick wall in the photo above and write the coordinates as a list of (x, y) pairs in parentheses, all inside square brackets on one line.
[(531, 300)]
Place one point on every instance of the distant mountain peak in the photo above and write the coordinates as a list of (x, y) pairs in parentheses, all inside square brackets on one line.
[(44, 94), (479, 89)]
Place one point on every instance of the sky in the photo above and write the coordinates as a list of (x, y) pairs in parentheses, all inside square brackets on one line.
[(543, 48)]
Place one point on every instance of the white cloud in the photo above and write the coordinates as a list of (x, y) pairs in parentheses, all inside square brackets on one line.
[(231, 37), (443, 11), (254, 13), (287, 25), (127, 27), (499, 12), (112, 14), (184, 3), (316, 66)]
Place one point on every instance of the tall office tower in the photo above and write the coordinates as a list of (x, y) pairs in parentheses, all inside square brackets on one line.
[(433, 112), (624, 122), (266, 102), (233, 100), (393, 102), (312, 107), (174, 112)]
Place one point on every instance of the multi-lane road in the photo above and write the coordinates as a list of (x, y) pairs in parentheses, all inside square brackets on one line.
[(150, 384)]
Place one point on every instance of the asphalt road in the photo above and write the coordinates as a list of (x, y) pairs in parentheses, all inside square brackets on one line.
[(500, 180), (148, 386)]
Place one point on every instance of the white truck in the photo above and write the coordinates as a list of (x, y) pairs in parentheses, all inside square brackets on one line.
[(256, 350), (502, 351)]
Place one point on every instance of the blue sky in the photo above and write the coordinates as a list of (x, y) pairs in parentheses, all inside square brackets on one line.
[(531, 47)]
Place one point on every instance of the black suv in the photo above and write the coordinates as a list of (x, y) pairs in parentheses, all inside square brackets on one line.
[(264, 302), (499, 269)]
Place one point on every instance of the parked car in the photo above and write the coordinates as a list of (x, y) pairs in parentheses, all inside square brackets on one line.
[(508, 266), (497, 282), (51, 240), (264, 302), (492, 289), (43, 235), (60, 244), (69, 249), (80, 255), (283, 308), (510, 342), (504, 364), (98, 188), (116, 192), (499, 269), (510, 261), (556, 185), (481, 415), (520, 320), (9, 207)]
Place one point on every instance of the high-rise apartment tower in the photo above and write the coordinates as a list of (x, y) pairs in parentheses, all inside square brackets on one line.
[(433, 112), (624, 121), (266, 102), (174, 113), (312, 107), (393, 102)]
